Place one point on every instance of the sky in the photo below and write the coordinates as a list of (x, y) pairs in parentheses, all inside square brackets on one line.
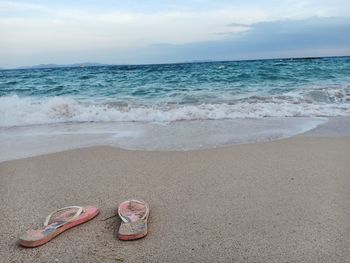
[(167, 31)]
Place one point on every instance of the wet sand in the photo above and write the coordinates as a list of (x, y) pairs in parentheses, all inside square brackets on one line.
[(280, 201)]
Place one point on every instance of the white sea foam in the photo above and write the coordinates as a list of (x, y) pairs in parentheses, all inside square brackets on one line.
[(22, 111), (25, 141)]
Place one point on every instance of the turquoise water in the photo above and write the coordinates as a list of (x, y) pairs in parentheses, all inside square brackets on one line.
[(174, 92)]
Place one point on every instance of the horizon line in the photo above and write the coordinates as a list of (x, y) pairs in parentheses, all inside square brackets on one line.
[(98, 64)]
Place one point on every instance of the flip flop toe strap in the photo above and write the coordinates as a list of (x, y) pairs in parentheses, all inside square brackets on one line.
[(126, 219), (77, 214)]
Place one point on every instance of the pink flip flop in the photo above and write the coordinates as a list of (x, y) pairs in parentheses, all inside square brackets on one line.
[(134, 216), (65, 218)]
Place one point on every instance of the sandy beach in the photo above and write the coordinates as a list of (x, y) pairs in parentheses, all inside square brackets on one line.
[(280, 201), (230, 120)]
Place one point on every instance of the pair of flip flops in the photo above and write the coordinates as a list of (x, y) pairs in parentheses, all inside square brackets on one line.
[(133, 213)]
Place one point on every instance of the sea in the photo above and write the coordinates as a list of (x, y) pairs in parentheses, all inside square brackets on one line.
[(183, 106)]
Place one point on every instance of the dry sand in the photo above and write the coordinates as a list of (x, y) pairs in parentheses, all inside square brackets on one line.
[(281, 201)]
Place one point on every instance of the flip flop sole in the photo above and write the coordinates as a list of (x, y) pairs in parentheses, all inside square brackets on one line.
[(133, 230), (134, 214), (132, 237)]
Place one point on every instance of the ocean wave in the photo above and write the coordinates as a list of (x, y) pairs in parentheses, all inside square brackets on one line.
[(22, 111)]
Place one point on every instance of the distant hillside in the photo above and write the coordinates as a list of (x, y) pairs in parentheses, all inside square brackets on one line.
[(75, 65)]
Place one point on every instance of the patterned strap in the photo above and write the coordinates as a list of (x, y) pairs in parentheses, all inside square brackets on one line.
[(78, 213), (126, 219)]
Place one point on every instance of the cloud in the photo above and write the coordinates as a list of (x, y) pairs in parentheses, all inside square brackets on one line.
[(72, 27), (69, 31), (238, 25), (34, 32), (287, 38)]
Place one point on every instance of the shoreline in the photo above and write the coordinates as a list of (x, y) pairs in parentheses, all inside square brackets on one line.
[(23, 142), (277, 201)]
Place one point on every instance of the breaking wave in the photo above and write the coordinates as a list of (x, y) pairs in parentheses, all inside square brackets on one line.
[(22, 111)]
